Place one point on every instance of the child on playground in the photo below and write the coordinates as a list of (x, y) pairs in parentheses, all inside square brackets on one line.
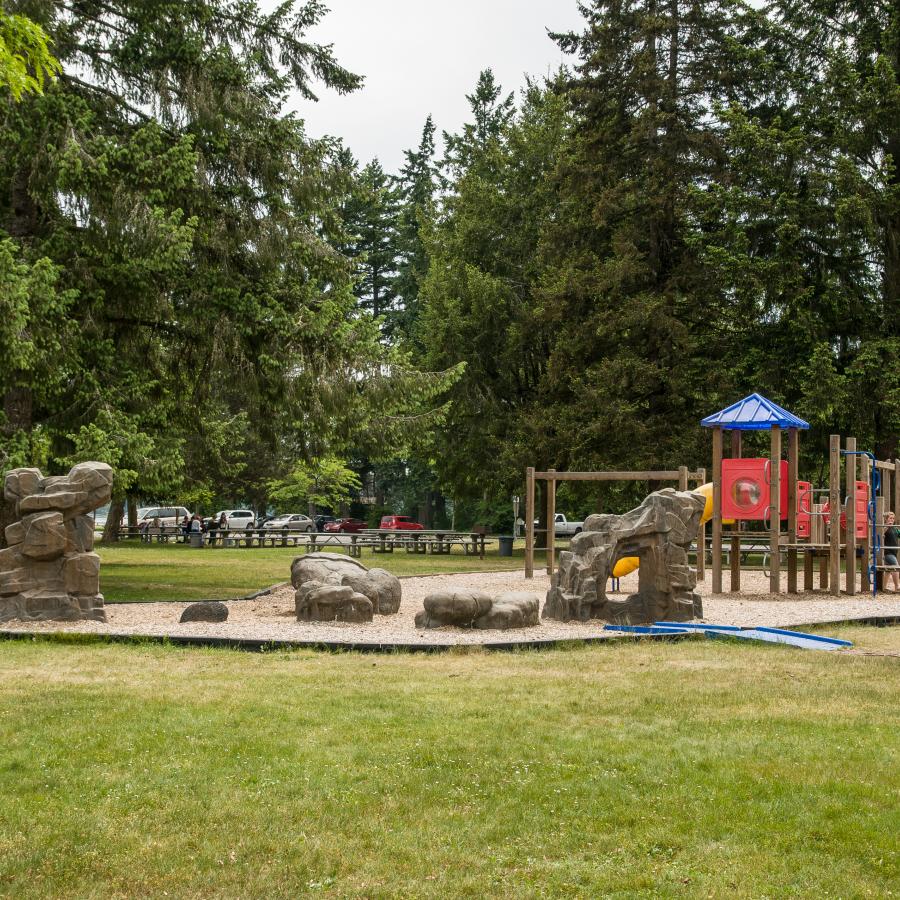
[(891, 543)]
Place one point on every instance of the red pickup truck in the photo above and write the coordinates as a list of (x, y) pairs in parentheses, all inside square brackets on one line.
[(400, 523)]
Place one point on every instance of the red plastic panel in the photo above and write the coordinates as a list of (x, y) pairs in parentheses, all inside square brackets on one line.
[(745, 489), (862, 510), (804, 509)]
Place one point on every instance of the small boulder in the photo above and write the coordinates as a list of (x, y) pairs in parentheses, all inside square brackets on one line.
[(206, 611)]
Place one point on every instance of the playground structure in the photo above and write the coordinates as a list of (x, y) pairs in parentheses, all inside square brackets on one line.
[(768, 490), (795, 516)]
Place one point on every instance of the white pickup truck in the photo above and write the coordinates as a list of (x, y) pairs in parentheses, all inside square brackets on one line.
[(564, 527)]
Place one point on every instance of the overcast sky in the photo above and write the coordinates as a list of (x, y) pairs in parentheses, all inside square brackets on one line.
[(424, 56)]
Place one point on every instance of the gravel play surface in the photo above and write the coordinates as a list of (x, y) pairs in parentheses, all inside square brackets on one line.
[(271, 617)]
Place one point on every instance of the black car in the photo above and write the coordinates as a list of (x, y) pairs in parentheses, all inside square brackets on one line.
[(321, 520)]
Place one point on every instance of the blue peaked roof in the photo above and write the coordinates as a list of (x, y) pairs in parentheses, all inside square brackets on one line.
[(753, 413)]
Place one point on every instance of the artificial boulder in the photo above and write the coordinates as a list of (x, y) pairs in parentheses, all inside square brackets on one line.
[(475, 609), (361, 592), (659, 532), (49, 571), (205, 611)]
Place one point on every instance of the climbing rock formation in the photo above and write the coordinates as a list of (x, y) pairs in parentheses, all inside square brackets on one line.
[(49, 571), (331, 587), (474, 609), (659, 533)]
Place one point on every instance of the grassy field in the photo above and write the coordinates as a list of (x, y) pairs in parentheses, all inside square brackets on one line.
[(676, 770), (133, 571)]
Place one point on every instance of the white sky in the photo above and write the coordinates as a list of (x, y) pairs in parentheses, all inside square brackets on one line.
[(424, 56)]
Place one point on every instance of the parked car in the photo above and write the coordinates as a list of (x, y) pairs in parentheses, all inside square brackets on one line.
[(167, 515), (345, 526), (237, 519), (322, 521), (291, 522), (400, 523)]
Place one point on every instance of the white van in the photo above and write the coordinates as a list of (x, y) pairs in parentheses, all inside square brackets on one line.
[(167, 515)]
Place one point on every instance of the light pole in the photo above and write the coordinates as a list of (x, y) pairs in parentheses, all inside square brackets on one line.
[(515, 501)]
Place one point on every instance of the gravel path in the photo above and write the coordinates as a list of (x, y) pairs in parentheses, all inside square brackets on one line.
[(271, 617)]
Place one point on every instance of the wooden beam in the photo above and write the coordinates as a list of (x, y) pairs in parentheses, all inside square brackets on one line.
[(895, 509), (662, 475), (529, 522), (717, 510), (850, 540), (735, 555), (701, 539), (682, 478), (834, 504), (793, 469), (879, 531), (865, 474), (775, 510), (551, 523)]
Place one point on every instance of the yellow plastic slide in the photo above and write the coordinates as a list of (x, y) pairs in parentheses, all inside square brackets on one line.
[(627, 564)]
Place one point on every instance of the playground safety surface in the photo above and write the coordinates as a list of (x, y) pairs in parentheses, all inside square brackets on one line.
[(268, 618)]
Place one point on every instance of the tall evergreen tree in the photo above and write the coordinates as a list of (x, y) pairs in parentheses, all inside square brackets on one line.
[(371, 219), (417, 183)]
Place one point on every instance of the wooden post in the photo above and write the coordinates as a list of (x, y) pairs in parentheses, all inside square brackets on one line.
[(850, 539), (529, 522), (682, 478), (793, 467), (736, 540), (865, 474), (701, 538), (717, 510), (551, 521), (808, 562), (775, 510), (879, 531), (834, 503)]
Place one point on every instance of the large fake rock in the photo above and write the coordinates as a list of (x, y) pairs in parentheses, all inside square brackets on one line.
[(48, 570), (474, 609), (659, 532), (363, 592)]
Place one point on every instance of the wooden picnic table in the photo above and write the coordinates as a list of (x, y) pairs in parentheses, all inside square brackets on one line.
[(435, 541)]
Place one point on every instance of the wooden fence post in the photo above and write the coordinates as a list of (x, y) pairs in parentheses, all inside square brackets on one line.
[(701, 537), (735, 555)]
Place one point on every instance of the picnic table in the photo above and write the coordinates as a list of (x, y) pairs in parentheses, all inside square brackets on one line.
[(435, 541)]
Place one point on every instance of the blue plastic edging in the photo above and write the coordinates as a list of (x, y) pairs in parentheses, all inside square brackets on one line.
[(646, 629), (699, 626)]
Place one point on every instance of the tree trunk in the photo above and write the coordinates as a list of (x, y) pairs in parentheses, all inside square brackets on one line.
[(113, 521), (132, 511)]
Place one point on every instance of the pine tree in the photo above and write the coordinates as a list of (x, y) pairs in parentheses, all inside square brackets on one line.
[(371, 218), (417, 183)]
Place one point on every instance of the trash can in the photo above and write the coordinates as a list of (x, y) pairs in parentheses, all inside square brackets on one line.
[(506, 544), (196, 539)]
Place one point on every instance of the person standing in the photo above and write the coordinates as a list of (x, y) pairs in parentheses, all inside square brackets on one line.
[(891, 544)]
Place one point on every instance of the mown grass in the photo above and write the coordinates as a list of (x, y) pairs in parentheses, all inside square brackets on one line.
[(133, 571), (676, 770)]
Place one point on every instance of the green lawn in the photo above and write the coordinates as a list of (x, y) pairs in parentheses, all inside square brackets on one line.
[(133, 571), (673, 770)]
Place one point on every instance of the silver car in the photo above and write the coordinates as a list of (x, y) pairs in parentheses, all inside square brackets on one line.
[(291, 522)]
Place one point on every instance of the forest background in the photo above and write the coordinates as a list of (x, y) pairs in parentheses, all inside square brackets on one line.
[(704, 204)]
